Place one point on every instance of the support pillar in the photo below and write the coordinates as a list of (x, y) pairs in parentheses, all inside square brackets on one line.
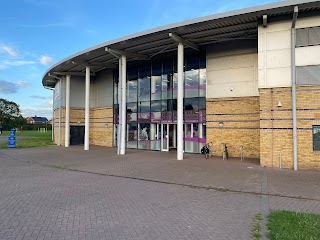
[(87, 110), (67, 123), (120, 108), (123, 104), (180, 103)]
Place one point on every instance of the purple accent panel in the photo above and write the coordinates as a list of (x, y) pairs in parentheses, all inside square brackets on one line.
[(155, 117), (202, 116), (203, 86), (195, 139), (190, 139), (191, 116), (191, 86), (144, 117)]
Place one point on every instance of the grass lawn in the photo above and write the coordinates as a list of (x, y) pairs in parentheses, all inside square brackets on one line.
[(30, 139), (293, 226)]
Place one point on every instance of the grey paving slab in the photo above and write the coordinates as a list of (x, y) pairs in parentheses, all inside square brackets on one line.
[(38, 202)]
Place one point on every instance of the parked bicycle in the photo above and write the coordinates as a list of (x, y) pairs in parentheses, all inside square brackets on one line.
[(207, 150)]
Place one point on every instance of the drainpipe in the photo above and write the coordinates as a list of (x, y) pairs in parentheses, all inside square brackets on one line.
[(294, 100)]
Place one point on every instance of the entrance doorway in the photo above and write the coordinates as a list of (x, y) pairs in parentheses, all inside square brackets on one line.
[(169, 137), (76, 135)]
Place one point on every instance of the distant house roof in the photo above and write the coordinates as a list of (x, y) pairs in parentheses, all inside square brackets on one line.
[(40, 119)]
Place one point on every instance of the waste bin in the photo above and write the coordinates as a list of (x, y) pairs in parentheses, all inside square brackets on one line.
[(11, 141)]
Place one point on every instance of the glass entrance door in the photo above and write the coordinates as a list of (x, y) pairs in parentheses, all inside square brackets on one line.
[(165, 137)]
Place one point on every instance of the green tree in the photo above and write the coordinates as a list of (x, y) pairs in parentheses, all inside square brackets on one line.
[(10, 114)]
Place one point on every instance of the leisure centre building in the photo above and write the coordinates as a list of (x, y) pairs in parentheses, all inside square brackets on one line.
[(248, 78)]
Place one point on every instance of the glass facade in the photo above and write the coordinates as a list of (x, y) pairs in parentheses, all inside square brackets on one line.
[(152, 104)]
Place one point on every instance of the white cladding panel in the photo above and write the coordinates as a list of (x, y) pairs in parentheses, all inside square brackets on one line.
[(274, 52), (274, 55), (232, 74), (308, 56), (103, 89), (77, 92)]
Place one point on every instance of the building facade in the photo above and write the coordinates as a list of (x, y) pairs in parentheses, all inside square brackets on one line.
[(248, 78)]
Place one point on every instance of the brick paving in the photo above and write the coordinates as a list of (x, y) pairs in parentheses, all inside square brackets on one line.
[(38, 201)]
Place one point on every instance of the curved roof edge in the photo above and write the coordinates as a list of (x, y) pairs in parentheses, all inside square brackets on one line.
[(217, 16)]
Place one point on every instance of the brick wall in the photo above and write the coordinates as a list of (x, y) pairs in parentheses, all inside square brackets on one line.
[(101, 126), (276, 127), (240, 117)]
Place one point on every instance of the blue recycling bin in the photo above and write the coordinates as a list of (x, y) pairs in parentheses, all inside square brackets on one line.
[(13, 132), (12, 142)]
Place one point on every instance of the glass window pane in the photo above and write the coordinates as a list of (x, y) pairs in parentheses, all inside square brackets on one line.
[(156, 67), (191, 104), (192, 61), (133, 73), (175, 86), (167, 66), (132, 135), (143, 106), (166, 86), (203, 59), (156, 106), (155, 133), (155, 117), (131, 107), (143, 117), (144, 136), (202, 83), (316, 138), (132, 91), (144, 89), (156, 88), (131, 117), (191, 84), (145, 70)]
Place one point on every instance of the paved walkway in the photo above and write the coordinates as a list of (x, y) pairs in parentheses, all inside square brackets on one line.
[(142, 195)]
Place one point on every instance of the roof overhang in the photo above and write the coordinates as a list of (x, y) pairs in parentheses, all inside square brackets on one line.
[(234, 25)]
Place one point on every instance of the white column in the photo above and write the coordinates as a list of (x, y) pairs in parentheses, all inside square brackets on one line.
[(120, 108), (87, 111), (180, 103), (60, 111), (123, 104), (67, 123)]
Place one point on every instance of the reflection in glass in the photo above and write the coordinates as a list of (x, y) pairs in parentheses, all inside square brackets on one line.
[(202, 82), (144, 136), (144, 106), (191, 83), (175, 86), (156, 106), (166, 85), (132, 135), (132, 91), (144, 89), (155, 87)]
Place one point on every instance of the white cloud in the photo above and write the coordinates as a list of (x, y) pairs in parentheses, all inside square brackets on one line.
[(11, 63), (23, 84), (46, 60), (41, 97), (9, 50), (50, 103), (8, 87)]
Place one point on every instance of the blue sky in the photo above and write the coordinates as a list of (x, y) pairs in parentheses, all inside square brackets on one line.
[(34, 34)]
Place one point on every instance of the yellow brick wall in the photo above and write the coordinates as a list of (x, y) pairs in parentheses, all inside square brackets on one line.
[(240, 117), (276, 127), (101, 126)]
